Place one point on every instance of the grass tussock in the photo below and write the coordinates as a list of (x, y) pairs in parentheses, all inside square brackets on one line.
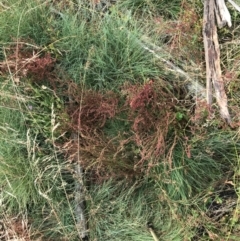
[(80, 85)]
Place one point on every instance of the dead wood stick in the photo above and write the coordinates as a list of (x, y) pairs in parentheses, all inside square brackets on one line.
[(212, 58), (80, 208), (193, 86), (79, 202), (153, 234), (222, 14), (234, 5), (150, 228)]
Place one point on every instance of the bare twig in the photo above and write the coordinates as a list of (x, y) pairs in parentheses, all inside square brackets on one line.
[(234, 5), (81, 221), (227, 208), (153, 234), (193, 86), (79, 202), (4, 6)]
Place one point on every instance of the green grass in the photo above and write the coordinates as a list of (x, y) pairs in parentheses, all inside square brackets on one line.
[(153, 7), (15, 177), (21, 20), (103, 53), (178, 191), (33, 175), (120, 210)]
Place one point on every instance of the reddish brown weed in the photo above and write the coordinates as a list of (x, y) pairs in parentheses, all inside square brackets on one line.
[(23, 62), (151, 111)]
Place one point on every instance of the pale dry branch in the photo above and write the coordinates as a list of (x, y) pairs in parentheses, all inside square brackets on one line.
[(234, 5), (222, 14), (153, 234), (79, 202), (81, 221), (212, 57), (193, 86)]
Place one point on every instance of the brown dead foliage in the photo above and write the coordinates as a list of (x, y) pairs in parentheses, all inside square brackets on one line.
[(91, 111), (102, 157), (184, 36), (88, 144), (150, 111), (14, 229), (26, 62)]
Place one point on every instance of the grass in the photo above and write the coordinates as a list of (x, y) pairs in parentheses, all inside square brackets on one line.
[(31, 174), (123, 211), (103, 53), (68, 69), (153, 8), (19, 20)]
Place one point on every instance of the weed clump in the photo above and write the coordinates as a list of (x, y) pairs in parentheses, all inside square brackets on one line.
[(151, 112), (91, 111), (146, 112), (25, 63)]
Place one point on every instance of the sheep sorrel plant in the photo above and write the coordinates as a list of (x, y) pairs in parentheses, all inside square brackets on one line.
[(99, 153), (153, 7), (24, 61), (185, 33), (88, 117), (105, 133), (151, 112), (145, 114), (92, 111)]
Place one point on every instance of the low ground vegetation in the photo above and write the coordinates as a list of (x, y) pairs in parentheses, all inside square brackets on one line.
[(80, 85)]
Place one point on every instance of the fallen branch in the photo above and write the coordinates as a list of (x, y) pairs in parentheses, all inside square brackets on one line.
[(153, 234), (193, 86), (222, 14), (213, 9), (234, 5), (79, 202), (150, 228), (212, 55), (79, 196)]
